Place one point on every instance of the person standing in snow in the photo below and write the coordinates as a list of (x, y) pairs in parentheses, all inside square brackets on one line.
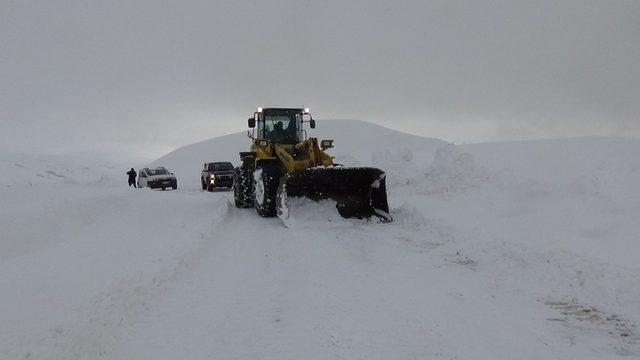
[(132, 178)]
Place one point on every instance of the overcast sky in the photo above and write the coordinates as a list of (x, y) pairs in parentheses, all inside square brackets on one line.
[(145, 77)]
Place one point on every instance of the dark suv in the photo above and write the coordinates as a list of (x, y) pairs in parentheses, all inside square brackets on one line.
[(217, 174)]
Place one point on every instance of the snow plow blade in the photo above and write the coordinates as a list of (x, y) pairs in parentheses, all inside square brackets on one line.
[(358, 192)]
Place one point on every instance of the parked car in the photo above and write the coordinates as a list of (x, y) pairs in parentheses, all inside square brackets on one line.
[(216, 175), (157, 178)]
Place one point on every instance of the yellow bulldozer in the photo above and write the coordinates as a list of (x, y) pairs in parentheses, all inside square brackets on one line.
[(283, 163)]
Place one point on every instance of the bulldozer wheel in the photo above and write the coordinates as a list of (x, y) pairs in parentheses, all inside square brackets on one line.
[(242, 187), (265, 182)]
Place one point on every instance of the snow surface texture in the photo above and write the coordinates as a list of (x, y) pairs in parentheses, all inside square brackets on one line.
[(524, 250)]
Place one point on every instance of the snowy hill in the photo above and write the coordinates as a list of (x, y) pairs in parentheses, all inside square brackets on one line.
[(522, 250)]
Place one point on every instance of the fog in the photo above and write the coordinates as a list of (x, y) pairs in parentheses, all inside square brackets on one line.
[(140, 78)]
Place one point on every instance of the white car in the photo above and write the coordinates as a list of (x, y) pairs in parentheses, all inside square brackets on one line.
[(157, 178)]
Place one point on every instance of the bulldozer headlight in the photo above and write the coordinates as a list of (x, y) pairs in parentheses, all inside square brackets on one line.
[(213, 179), (263, 143), (326, 144), (259, 109), (306, 110)]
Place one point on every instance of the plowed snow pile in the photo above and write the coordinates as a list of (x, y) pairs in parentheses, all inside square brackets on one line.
[(303, 212), (523, 250)]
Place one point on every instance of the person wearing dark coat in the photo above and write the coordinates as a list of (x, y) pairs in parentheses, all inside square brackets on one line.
[(132, 177)]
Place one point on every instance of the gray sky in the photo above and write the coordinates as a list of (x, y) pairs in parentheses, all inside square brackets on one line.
[(144, 77)]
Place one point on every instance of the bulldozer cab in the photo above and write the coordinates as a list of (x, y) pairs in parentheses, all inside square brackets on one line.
[(281, 126)]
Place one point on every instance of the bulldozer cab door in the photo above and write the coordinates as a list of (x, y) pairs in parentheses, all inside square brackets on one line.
[(281, 126)]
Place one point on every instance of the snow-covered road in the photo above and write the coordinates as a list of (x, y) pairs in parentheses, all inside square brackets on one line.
[(183, 274), (350, 289), (265, 291)]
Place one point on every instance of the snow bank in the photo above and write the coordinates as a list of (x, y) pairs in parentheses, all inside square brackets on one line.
[(303, 212)]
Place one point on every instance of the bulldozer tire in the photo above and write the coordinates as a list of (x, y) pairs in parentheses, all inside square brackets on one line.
[(204, 186), (265, 183), (242, 189)]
